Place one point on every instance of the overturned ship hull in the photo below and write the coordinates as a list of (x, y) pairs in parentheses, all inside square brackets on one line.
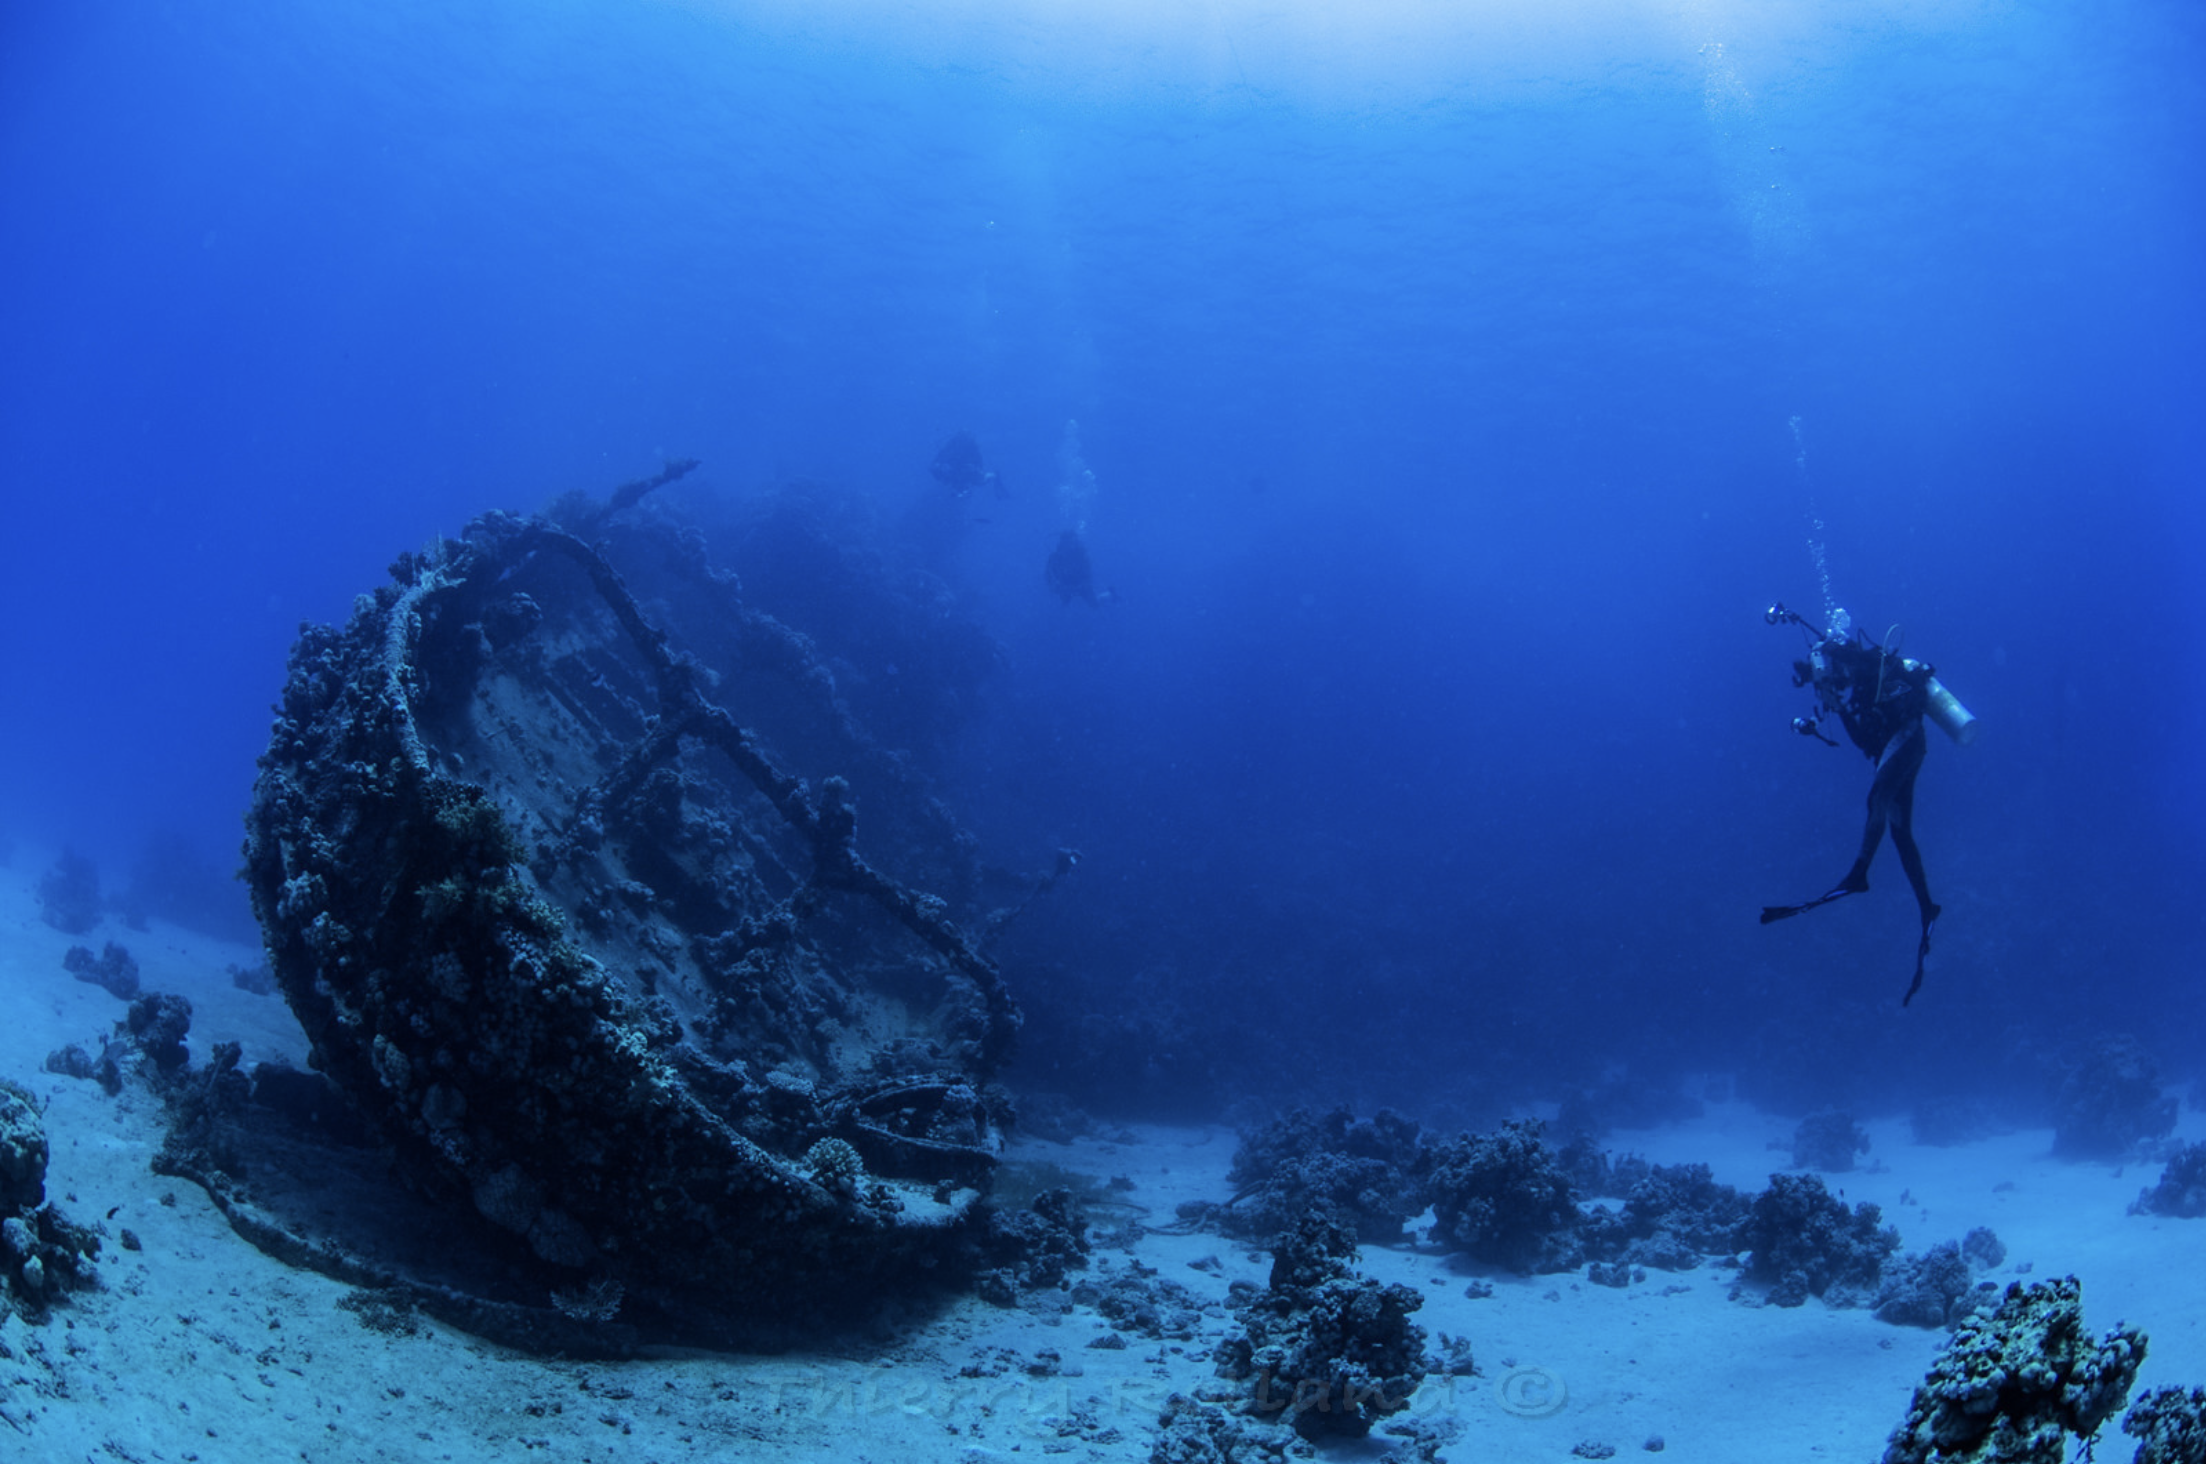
[(538, 874)]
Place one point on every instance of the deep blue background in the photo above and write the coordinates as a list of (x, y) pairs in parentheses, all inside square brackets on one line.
[(1437, 376)]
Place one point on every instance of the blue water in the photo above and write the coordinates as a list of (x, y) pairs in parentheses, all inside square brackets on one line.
[(1457, 391)]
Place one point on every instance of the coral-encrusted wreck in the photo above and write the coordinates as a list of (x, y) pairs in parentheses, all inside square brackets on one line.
[(555, 851)]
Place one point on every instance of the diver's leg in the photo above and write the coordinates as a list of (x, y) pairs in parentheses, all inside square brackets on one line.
[(1891, 804), (1911, 860), (1857, 878), (1872, 834), (1908, 764), (1895, 777)]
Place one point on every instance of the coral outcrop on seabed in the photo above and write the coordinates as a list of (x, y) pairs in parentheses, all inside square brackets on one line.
[(2110, 1101), (1509, 1201), (23, 1152), (1139, 1300), (2181, 1191), (42, 1253), (69, 894), (1194, 1431), (1672, 1219), (1035, 1248), (2014, 1385), (1369, 1173), (604, 963), (157, 1024), (1326, 1350), (1807, 1242), (1595, 1173), (2171, 1425), (1937, 1287), (1828, 1141), (1503, 1198), (114, 970)]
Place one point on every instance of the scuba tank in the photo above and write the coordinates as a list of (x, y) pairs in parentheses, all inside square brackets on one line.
[(1943, 707)]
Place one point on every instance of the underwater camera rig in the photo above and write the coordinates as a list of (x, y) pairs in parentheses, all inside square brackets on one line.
[(1942, 706)]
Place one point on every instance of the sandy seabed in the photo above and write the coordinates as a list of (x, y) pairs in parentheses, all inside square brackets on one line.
[(199, 1347)]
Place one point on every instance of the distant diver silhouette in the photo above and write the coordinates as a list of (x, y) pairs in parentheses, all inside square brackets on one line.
[(960, 468), (1881, 698), (1069, 572)]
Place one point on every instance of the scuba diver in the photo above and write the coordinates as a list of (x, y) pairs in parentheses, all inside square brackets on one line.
[(1881, 698), (960, 468), (1069, 572)]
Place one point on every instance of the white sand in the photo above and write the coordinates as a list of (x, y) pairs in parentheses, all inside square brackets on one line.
[(201, 1348)]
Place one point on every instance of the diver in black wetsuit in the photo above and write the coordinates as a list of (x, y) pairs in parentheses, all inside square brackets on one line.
[(1881, 697), (1070, 573), (958, 466)]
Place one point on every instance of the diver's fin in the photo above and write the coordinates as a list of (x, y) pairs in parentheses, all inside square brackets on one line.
[(1785, 912), (1922, 949)]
